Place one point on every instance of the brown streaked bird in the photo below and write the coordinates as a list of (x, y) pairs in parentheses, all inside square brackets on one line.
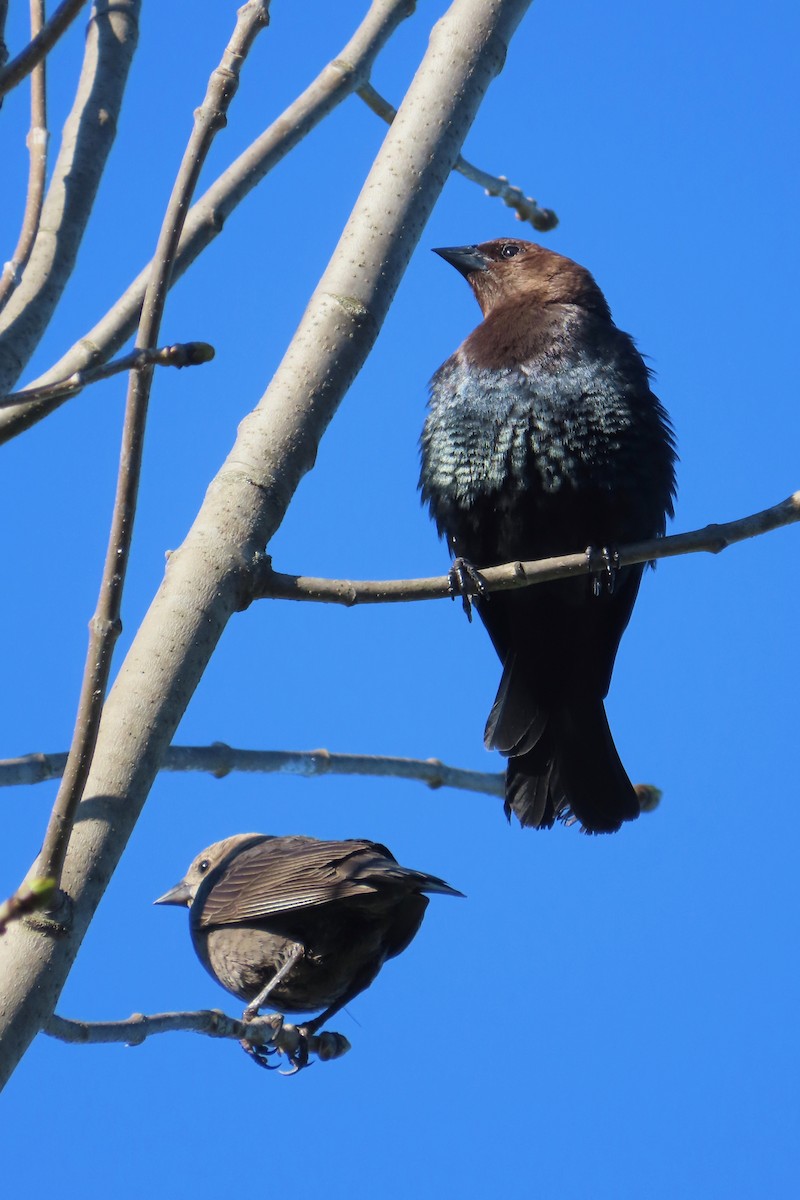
[(543, 438), (302, 923)]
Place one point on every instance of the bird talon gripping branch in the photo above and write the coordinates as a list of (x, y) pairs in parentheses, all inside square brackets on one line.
[(543, 436), (604, 573), (465, 580)]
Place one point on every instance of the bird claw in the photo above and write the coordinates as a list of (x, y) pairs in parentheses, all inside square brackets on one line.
[(297, 1051), (261, 1054), (604, 570), (466, 581)]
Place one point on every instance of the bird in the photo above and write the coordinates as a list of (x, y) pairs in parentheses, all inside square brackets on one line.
[(543, 438), (303, 923)]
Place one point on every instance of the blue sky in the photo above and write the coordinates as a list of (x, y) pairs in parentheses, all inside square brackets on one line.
[(603, 1017)]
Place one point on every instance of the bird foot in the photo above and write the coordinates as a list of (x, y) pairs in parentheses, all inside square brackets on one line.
[(262, 1051), (604, 565), (466, 581), (297, 1044)]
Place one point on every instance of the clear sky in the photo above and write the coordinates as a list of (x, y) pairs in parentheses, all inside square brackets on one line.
[(607, 1018)]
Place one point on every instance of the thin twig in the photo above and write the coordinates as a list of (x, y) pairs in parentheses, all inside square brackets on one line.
[(269, 584), (525, 207), (207, 217), (220, 760), (181, 354), (36, 142), (40, 45), (105, 626), (267, 1030), (36, 893)]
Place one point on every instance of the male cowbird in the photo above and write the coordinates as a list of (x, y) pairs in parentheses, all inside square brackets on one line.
[(304, 923), (544, 438)]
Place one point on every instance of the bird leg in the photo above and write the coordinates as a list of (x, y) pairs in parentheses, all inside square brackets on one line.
[(604, 574), (252, 1009), (261, 1054), (466, 581)]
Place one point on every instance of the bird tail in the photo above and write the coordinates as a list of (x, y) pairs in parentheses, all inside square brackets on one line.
[(573, 773), (380, 872), (422, 882), (515, 724)]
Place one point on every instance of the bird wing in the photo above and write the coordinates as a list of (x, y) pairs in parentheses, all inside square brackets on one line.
[(283, 874)]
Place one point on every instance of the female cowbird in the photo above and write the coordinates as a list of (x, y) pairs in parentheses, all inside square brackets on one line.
[(544, 438), (303, 923)]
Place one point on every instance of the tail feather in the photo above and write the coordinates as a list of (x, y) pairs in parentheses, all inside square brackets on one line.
[(533, 790), (573, 773), (515, 724)]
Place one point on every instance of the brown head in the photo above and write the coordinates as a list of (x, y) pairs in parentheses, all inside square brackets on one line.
[(509, 271), (207, 860)]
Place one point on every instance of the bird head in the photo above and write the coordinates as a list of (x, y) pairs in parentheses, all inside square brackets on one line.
[(201, 867), (508, 270)]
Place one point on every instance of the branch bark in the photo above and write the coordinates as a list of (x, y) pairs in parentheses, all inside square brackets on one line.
[(85, 145), (206, 580), (220, 759)]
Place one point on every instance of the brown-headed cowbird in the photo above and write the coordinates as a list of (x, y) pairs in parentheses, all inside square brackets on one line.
[(544, 438), (302, 923)]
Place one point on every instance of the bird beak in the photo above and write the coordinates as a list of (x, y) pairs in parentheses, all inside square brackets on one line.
[(180, 894), (465, 259)]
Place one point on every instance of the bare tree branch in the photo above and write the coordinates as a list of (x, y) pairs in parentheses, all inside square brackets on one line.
[(525, 207), (181, 354), (40, 45), (106, 626), (220, 759), (86, 141), (207, 217), (246, 502), (267, 1030), (37, 172), (270, 584)]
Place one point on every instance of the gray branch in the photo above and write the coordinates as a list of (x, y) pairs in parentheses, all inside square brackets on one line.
[(87, 139), (220, 760), (106, 625), (711, 539), (267, 1030)]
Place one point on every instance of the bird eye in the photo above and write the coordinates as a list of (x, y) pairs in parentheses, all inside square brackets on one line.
[(203, 866), (509, 250)]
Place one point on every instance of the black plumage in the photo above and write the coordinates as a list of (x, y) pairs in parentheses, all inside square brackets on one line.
[(544, 438), (302, 923)]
